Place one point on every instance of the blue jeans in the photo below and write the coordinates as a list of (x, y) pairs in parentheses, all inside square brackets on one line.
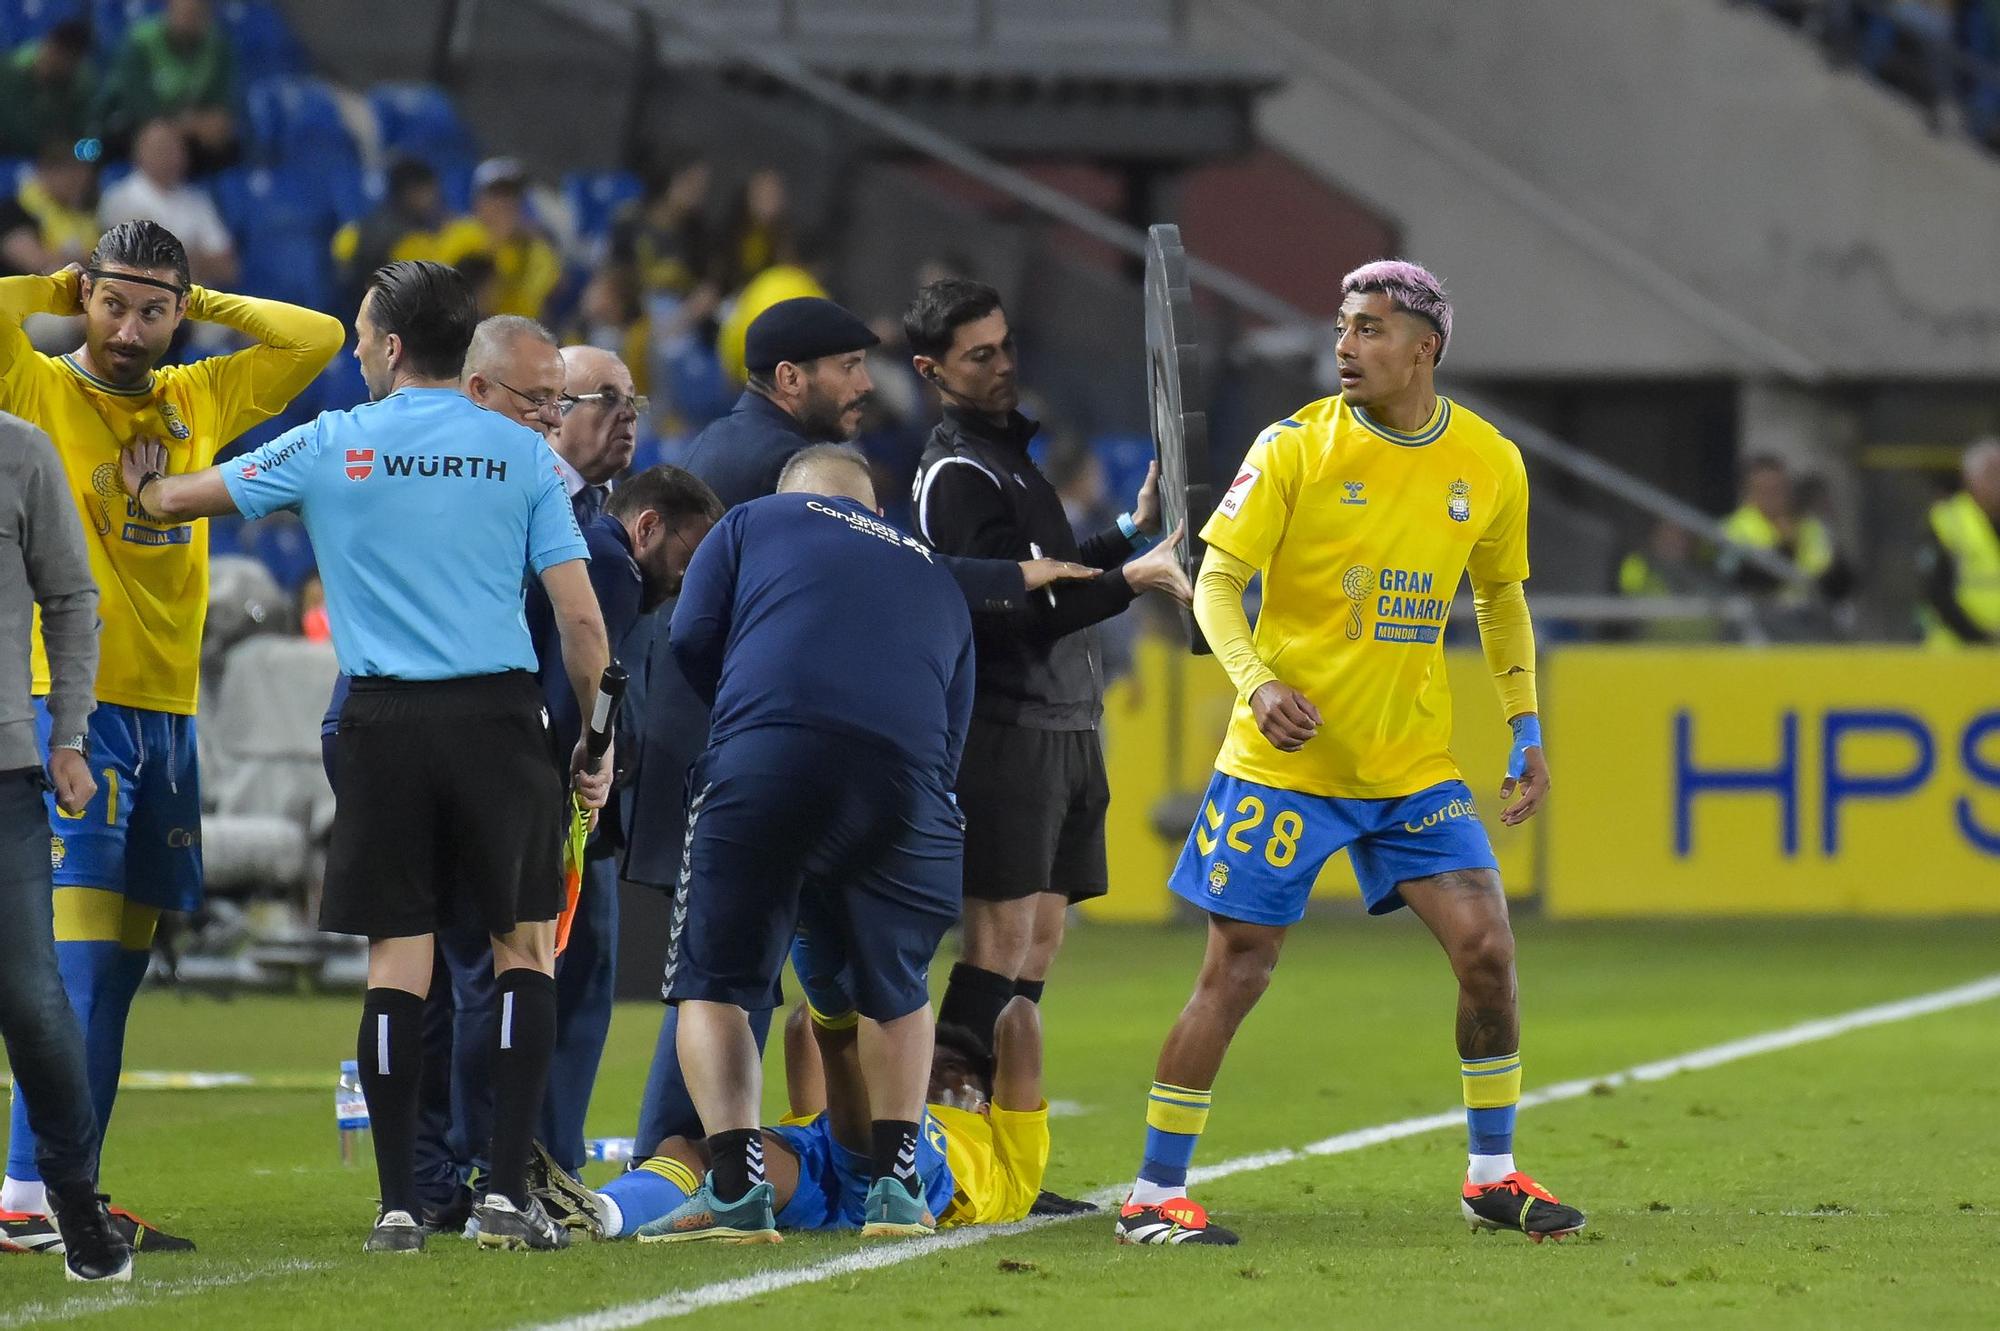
[(44, 1042)]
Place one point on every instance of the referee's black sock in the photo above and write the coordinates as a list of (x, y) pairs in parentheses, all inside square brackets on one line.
[(735, 1163), (896, 1153), (390, 1054), (1030, 990), (974, 999), (526, 1037)]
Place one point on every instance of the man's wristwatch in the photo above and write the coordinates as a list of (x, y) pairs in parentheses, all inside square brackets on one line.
[(79, 742), (139, 491)]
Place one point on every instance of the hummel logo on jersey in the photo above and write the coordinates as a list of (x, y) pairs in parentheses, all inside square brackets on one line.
[(1354, 495), (360, 463)]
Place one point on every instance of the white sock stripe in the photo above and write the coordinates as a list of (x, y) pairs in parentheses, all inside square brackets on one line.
[(507, 1020), (382, 1043)]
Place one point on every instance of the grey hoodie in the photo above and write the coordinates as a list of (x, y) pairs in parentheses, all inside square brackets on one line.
[(42, 560)]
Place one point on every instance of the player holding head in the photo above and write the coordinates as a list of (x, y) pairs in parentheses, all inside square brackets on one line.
[(1362, 512), (136, 850)]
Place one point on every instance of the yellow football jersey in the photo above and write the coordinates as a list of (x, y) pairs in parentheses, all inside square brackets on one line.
[(997, 1162), (152, 577), (1362, 534)]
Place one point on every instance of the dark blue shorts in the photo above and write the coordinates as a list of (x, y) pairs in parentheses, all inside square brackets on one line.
[(1255, 850), (140, 836), (782, 810)]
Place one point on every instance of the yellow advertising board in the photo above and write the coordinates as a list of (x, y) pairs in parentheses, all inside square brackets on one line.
[(1720, 781), (1163, 724)]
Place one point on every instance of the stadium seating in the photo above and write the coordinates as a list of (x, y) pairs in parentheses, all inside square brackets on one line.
[(594, 199), (25, 20), (283, 219), (266, 788), (420, 119)]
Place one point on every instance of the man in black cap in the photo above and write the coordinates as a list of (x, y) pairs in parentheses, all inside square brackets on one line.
[(808, 385)]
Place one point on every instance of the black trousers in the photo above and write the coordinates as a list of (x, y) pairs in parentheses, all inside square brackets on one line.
[(44, 1042)]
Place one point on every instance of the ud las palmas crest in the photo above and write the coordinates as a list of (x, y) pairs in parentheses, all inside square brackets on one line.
[(1459, 505)]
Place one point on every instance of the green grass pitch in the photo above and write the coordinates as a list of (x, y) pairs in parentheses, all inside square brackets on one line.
[(1851, 1181)]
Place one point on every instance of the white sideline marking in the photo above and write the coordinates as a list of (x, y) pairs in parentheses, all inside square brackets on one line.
[(725, 1292), (143, 1292)]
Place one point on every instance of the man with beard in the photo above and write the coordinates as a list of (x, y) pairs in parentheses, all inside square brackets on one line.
[(136, 850)]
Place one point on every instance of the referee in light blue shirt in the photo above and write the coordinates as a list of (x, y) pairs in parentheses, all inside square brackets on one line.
[(424, 507)]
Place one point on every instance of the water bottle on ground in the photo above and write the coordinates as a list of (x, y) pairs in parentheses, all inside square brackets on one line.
[(611, 1150), (350, 1113)]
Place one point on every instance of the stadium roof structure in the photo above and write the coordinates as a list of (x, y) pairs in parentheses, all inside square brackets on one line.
[(1045, 79)]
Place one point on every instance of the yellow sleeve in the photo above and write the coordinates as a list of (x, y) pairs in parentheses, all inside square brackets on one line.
[(1020, 1158), (1218, 608), (345, 242), (1507, 635), (1254, 511), (1501, 552), (257, 383), (19, 298)]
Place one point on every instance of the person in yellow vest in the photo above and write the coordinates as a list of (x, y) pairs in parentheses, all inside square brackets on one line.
[(1961, 560), (525, 262), (135, 849), (1770, 517)]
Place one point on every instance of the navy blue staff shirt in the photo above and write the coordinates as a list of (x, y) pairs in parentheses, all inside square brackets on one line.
[(812, 611)]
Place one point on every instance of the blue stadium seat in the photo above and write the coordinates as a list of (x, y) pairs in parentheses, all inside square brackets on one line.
[(595, 197), (24, 20), (421, 120), (297, 120), (283, 220), (111, 19), (265, 43)]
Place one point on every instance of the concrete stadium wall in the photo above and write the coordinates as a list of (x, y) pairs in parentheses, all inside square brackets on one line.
[(1657, 186)]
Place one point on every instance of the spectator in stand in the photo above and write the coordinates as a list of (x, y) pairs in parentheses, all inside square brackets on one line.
[(60, 195), (404, 227), (799, 275), (759, 233), (158, 191), (1961, 557), (1771, 518), (664, 238), (46, 90), (49, 223), (665, 243), (483, 275), (610, 316), (525, 263), (179, 67)]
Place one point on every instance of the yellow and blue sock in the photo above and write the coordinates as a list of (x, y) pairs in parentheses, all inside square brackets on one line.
[(1175, 1116), (103, 945), (645, 1193), (1492, 1089)]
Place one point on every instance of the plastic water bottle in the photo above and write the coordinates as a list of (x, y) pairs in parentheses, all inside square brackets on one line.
[(610, 1150), (350, 1112)]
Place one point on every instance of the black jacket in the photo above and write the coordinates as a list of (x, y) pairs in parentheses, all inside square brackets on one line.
[(979, 494)]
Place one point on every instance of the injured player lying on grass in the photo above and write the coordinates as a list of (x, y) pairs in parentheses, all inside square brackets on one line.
[(982, 1153)]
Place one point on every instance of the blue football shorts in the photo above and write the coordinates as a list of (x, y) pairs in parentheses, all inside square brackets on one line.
[(140, 836), (1255, 850)]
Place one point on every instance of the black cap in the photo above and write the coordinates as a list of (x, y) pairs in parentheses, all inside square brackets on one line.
[(802, 329)]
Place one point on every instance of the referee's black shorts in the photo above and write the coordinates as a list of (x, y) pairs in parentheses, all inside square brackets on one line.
[(450, 808), (1034, 804)]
